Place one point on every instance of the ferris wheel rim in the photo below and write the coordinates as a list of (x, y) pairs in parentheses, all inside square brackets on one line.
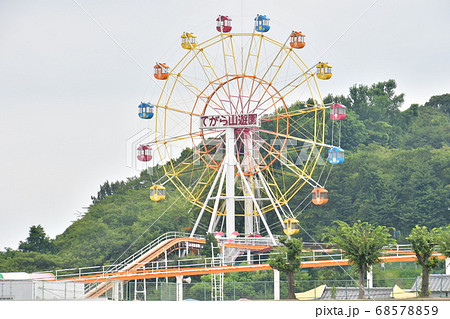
[(197, 137)]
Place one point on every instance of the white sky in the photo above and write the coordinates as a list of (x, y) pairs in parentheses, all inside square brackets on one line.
[(69, 94)]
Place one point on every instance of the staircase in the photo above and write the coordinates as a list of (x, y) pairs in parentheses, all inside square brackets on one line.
[(139, 259)]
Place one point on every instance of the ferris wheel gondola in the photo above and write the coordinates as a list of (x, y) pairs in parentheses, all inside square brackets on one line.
[(324, 71), (336, 155), (337, 112), (297, 40), (144, 153), (145, 111), (262, 23), (157, 193), (319, 196), (188, 41), (291, 227), (223, 24), (161, 71)]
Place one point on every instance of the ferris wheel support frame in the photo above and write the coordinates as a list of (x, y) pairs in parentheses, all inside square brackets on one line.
[(227, 175), (230, 162), (258, 208)]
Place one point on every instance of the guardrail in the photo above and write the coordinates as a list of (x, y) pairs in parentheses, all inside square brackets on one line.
[(177, 264), (104, 270), (164, 237)]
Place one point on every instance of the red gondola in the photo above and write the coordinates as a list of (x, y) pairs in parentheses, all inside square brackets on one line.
[(144, 153), (337, 112), (223, 24)]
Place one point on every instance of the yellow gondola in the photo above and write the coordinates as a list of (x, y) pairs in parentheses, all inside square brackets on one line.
[(188, 41), (292, 226), (324, 71), (157, 193)]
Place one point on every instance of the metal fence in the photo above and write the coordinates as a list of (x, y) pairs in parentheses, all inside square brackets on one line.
[(40, 290), (165, 290)]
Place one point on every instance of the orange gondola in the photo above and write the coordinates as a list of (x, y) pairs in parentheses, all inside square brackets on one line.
[(161, 71), (319, 196), (297, 40)]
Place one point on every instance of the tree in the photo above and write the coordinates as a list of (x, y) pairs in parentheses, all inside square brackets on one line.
[(423, 242), (443, 240), (288, 261), (37, 241), (440, 102), (362, 244), (377, 102), (211, 246)]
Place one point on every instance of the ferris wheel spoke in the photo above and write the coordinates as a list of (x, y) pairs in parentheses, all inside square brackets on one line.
[(277, 66), (229, 57), (196, 92), (201, 95), (273, 96), (254, 50), (206, 65), (290, 114), (222, 98), (296, 83), (290, 87), (217, 83), (168, 108), (282, 155), (187, 136), (303, 126), (295, 127), (287, 190), (291, 137)]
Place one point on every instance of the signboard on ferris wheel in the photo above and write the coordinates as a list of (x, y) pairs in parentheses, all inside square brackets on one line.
[(229, 120)]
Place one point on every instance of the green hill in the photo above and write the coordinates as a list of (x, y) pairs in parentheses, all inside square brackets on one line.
[(396, 173)]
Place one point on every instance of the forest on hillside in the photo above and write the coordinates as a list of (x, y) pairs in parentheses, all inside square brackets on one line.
[(396, 173)]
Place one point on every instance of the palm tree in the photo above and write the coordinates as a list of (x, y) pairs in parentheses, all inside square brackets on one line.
[(362, 244), (423, 243)]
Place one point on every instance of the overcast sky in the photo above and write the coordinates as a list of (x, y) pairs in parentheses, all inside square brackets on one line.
[(69, 93)]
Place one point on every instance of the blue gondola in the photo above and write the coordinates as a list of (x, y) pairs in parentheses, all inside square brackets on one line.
[(336, 155), (262, 23), (146, 111)]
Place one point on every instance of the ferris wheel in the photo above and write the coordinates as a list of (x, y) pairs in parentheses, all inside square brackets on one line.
[(239, 124)]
